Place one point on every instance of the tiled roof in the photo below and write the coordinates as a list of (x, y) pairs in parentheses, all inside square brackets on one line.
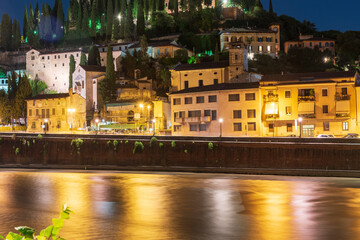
[(203, 65), (218, 87), (307, 76), (93, 68), (49, 96), (246, 30)]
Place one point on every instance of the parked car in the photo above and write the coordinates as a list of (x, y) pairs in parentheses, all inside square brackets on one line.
[(325, 136), (351, 135)]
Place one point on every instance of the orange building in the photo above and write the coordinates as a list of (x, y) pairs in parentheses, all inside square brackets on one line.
[(310, 41)]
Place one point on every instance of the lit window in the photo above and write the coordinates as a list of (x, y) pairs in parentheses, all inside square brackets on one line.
[(287, 94), (251, 113), (289, 127), (237, 114), (251, 126), (345, 126), (326, 126), (288, 110), (237, 127)]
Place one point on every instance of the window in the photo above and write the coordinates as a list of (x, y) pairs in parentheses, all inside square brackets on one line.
[(344, 91), (33, 125), (260, 39), (234, 97), (288, 110), (37, 112), (325, 109), (236, 57), (207, 113), (193, 128), (53, 111), (32, 58), (188, 100), (55, 56), (201, 83), (200, 99), (271, 127), (310, 44), (251, 113), (42, 113), (345, 126), (237, 127), (324, 92), (63, 111), (249, 96), (251, 126), (200, 74), (176, 101), (202, 127), (213, 115), (182, 114), (58, 124), (289, 127), (47, 113), (237, 114), (30, 112), (196, 113), (186, 84), (331, 44), (65, 55), (177, 128), (260, 48), (287, 94), (216, 81), (212, 98), (326, 126)]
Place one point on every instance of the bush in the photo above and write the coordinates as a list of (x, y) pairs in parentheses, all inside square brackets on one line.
[(186, 151), (138, 147), (161, 145), (50, 232), (152, 141), (211, 146), (173, 144), (39, 136), (17, 151), (76, 145), (115, 143)]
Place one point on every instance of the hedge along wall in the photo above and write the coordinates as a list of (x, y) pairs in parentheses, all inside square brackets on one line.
[(185, 154)]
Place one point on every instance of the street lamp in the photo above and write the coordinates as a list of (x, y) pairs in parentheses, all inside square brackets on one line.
[(300, 120), (221, 121), (45, 125), (148, 116)]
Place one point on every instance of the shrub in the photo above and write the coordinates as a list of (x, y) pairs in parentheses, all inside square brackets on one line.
[(13, 136), (109, 143), (17, 151), (138, 147), (126, 142), (28, 143), (186, 151), (34, 141), (50, 232), (76, 145), (115, 143), (152, 141), (211, 146), (173, 144), (161, 145), (39, 136)]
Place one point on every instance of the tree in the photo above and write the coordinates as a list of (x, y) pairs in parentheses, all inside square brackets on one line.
[(117, 19), (217, 55), (25, 23), (79, 17), (181, 55), (271, 10), (129, 24), (83, 60), (60, 20), (140, 25), (129, 63), (24, 91), (37, 86), (94, 56), (107, 87), (122, 19), (72, 69), (110, 19), (85, 20), (93, 19), (6, 28)]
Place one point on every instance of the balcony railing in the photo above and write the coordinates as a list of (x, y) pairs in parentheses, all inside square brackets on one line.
[(179, 120), (308, 98), (271, 98), (342, 97), (271, 116), (307, 115)]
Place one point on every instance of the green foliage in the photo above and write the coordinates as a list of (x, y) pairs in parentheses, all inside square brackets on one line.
[(109, 143), (76, 145), (107, 86), (161, 145), (211, 146), (17, 151), (173, 144), (38, 87), (186, 151), (138, 147), (94, 56), (51, 232), (83, 60), (153, 140), (126, 142), (39, 136), (115, 143), (72, 64)]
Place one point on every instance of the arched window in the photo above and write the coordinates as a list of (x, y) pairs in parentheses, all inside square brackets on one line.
[(326, 44)]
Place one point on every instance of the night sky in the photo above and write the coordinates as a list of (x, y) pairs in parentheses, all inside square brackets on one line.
[(326, 14)]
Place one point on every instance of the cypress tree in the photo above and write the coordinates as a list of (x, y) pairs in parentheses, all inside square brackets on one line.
[(129, 24), (74, 6), (6, 32), (122, 19), (85, 20), (83, 60), (117, 19), (103, 25), (72, 69), (140, 26), (271, 10), (259, 4), (79, 18), (93, 19), (107, 86), (216, 55), (110, 19), (59, 19), (23, 92), (25, 23), (94, 56)]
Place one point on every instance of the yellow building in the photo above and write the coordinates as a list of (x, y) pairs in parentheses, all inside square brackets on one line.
[(55, 113), (309, 41), (260, 41)]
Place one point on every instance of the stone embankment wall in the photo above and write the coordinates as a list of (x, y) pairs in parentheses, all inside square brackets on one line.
[(326, 156)]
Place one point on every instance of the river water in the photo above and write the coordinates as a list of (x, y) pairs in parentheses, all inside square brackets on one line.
[(149, 205)]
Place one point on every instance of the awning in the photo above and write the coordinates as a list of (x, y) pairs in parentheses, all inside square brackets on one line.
[(306, 108), (342, 106), (271, 108)]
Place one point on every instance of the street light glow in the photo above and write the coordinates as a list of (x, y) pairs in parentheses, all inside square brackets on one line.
[(141, 105), (300, 119), (221, 120), (153, 120)]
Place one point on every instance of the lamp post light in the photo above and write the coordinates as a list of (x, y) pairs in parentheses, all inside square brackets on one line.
[(45, 125), (148, 117), (300, 120), (221, 121)]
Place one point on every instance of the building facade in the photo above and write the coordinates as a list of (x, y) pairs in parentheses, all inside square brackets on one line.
[(309, 41), (259, 41), (56, 113), (168, 10)]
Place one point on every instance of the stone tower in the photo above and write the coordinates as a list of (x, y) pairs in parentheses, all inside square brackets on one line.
[(276, 28), (238, 60)]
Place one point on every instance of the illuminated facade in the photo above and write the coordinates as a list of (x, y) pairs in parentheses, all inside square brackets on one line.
[(259, 41), (168, 10), (58, 113), (309, 41)]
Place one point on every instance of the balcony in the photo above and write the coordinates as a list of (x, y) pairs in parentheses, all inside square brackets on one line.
[(342, 97), (342, 108), (197, 119), (179, 120), (271, 98), (308, 98), (306, 109)]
